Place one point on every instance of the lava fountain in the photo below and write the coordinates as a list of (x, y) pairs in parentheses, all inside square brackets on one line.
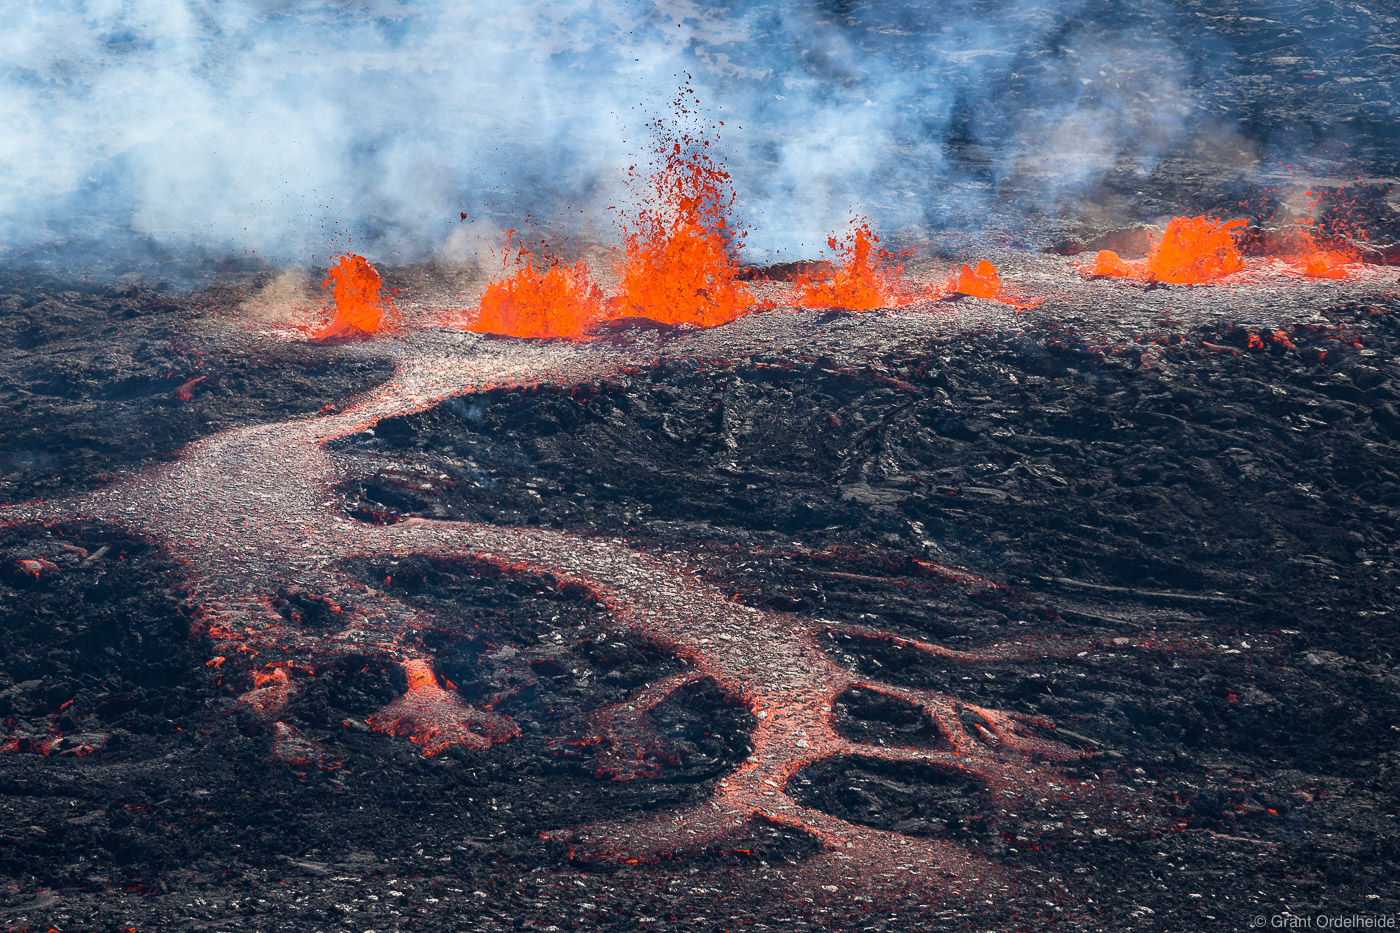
[(1192, 251), (1309, 259), (679, 262), (867, 276), (360, 311), (563, 301), (981, 282)]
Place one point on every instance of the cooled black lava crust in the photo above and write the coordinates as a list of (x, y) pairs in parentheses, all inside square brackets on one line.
[(90, 378), (1241, 499)]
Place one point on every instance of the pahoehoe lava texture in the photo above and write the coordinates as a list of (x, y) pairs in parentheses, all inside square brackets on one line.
[(1199, 482), (1197, 485)]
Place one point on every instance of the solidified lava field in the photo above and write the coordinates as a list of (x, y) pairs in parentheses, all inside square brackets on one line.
[(1181, 515), (1028, 598)]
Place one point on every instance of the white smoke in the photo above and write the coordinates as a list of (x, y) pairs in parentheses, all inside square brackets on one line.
[(286, 130)]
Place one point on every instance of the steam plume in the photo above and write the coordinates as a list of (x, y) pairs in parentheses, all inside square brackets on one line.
[(281, 128)]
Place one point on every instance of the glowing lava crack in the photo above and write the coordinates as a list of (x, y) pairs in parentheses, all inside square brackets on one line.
[(253, 514)]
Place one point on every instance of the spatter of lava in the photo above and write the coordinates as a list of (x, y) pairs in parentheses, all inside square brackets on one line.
[(1192, 251), (867, 276), (360, 310), (679, 262), (1300, 248), (1202, 250), (870, 276), (562, 301)]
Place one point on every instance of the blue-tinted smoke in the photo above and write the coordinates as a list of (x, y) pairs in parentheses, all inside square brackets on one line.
[(284, 129)]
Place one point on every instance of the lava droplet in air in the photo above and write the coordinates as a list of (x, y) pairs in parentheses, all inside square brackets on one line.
[(359, 309), (866, 278), (1192, 251)]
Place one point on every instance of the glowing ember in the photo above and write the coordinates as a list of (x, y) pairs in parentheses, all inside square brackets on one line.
[(272, 688), (359, 309), (34, 567), (185, 392), (1192, 251), (562, 302), (679, 253), (866, 279)]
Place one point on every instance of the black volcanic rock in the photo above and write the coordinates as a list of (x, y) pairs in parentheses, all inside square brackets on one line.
[(94, 379)]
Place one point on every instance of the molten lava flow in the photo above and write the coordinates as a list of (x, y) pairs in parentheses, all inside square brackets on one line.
[(435, 718), (359, 310), (866, 278), (1192, 251), (781, 667), (562, 302), (679, 262)]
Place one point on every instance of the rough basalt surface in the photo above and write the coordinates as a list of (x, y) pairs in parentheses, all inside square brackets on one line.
[(1180, 531)]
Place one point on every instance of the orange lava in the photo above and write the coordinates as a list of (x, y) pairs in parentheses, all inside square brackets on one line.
[(981, 282), (1192, 251), (561, 302), (1109, 264), (1324, 264), (867, 277), (36, 566), (679, 264), (359, 309), (435, 719), (1195, 250), (272, 687), (1312, 260)]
